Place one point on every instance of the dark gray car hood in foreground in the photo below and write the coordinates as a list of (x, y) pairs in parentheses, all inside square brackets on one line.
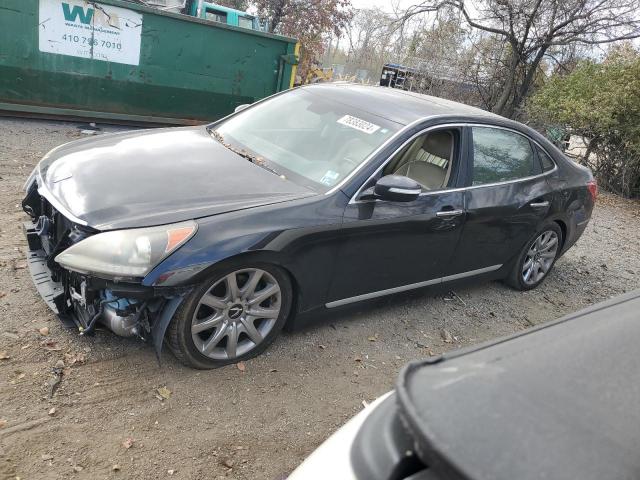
[(559, 402), (154, 177)]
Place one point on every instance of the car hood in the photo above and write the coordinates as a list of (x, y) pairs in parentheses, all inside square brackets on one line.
[(539, 404), (154, 177)]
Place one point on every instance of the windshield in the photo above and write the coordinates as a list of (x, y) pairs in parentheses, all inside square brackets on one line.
[(306, 137)]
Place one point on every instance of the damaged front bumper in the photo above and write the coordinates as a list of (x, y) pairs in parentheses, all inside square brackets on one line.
[(85, 302)]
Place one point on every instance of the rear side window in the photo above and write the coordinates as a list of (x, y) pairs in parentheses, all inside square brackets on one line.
[(500, 155), (545, 160)]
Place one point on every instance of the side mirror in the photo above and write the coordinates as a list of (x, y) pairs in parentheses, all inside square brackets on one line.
[(239, 108), (394, 188)]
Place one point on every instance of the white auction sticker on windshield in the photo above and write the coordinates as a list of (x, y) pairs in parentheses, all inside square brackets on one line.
[(358, 124)]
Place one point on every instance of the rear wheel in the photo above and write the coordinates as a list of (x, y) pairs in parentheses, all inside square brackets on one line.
[(537, 258), (233, 316)]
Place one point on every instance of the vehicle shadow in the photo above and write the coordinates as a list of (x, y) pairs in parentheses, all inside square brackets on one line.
[(388, 305)]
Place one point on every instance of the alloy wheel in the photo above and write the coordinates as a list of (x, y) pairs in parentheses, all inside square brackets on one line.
[(236, 314), (540, 257)]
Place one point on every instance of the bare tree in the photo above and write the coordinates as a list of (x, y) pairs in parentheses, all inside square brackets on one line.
[(533, 28)]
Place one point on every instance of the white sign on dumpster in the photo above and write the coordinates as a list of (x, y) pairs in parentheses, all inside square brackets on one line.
[(87, 29)]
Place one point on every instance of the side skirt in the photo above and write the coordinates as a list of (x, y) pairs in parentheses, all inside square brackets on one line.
[(412, 286)]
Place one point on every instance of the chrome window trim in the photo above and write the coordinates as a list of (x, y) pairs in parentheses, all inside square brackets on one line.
[(354, 199), (412, 286)]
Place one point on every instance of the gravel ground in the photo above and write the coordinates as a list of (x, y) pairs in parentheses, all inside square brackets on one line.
[(108, 420)]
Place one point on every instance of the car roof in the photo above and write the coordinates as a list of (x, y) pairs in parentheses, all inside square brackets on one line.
[(396, 105), (559, 401)]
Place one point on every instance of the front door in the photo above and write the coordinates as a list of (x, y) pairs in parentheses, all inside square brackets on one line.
[(393, 246)]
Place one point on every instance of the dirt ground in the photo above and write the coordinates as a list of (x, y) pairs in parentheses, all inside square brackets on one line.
[(107, 418)]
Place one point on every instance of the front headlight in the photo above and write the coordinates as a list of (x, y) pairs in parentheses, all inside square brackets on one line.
[(125, 254)]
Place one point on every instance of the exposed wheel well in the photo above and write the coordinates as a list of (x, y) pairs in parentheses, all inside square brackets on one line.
[(563, 227)]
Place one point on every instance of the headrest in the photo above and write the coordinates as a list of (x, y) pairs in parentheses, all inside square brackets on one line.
[(439, 144)]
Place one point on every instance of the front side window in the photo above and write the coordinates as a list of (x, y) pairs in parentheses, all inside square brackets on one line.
[(427, 159), (500, 155), (307, 137)]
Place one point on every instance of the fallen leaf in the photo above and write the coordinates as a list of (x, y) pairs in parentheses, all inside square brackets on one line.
[(358, 359), (446, 336), (116, 468), (241, 366), (4, 355), (52, 411), (128, 443), (44, 331), (73, 358), (3, 294), (51, 346), (164, 392), (373, 338), (3, 422)]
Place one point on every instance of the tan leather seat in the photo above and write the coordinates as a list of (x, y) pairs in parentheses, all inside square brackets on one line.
[(430, 176), (428, 162)]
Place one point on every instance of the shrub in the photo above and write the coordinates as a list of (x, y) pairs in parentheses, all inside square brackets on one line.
[(601, 103)]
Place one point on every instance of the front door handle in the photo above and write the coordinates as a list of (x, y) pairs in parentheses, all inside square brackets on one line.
[(544, 204), (449, 213)]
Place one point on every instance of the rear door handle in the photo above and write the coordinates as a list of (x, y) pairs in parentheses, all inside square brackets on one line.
[(544, 204), (449, 213)]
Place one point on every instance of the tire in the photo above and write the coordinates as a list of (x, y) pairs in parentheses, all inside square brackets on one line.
[(535, 260), (203, 328)]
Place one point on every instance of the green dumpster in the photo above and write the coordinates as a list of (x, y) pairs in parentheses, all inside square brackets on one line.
[(115, 60)]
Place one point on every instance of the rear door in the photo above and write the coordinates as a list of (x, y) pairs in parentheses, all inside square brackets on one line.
[(506, 202)]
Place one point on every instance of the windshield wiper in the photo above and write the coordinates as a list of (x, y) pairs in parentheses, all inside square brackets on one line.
[(243, 153)]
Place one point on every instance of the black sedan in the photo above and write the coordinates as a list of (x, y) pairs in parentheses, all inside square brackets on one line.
[(213, 238)]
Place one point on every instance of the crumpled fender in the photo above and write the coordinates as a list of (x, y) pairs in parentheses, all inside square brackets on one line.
[(161, 324)]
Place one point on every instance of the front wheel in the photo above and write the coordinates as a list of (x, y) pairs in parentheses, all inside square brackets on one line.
[(537, 259), (233, 316)]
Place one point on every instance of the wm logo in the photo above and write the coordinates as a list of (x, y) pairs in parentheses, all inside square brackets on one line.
[(77, 12)]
